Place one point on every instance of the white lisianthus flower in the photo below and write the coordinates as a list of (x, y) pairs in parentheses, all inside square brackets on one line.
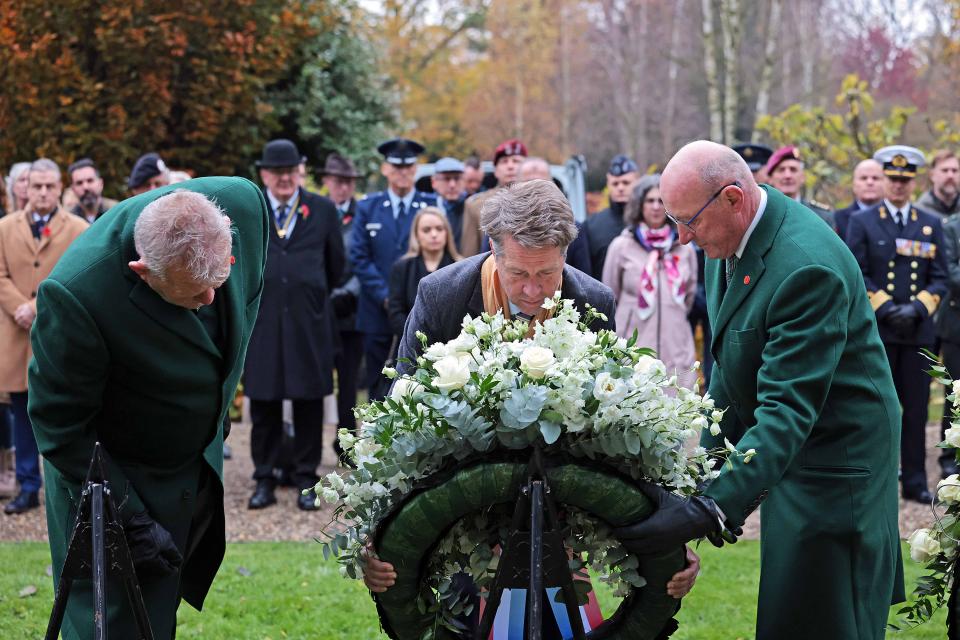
[(644, 364), (534, 361), (716, 416), (346, 438), (609, 390), (404, 387), (436, 351), (548, 303), (948, 489), (700, 422), (329, 495), (367, 448), (748, 456), (462, 344), (952, 436), (956, 387), (390, 373), (335, 481), (452, 373), (924, 547)]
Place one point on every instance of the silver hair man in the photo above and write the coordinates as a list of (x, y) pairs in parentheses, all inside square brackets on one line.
[(185, 231), (534, 213)]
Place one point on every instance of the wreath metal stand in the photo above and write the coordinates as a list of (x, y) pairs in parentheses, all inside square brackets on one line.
[(98, 545), (534, 559)]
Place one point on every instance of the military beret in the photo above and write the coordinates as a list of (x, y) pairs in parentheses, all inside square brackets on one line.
[(899, 161), (781, 154), (448, 165), (511, 147), (400, 151), (621, 164), (146, 167), (755, 155)]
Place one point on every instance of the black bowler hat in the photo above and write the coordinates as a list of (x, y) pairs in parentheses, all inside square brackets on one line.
[(280, 153), (401, 151), (146, 167), (756, 155), (337, 165)]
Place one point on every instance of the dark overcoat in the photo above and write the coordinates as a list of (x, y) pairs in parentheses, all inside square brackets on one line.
[(448, 294), (295, 339), (378, 241), (113, 362), (803, 376), (948, 317)]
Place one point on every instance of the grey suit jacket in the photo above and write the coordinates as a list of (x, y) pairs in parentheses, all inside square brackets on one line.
[(448, 294)]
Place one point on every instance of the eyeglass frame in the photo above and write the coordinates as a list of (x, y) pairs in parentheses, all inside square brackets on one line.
[(689, 223)]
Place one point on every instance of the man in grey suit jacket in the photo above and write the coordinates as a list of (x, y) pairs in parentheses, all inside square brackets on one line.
[(530, 225)]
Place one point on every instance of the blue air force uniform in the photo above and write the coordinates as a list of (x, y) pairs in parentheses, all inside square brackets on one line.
[(900, 253), (381, 234)]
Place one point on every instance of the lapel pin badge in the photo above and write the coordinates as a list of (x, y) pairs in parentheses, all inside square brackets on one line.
[(746, 279), (233, 260)]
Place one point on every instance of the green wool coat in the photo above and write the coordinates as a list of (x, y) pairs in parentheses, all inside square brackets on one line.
[(805, 381), (116, 363)]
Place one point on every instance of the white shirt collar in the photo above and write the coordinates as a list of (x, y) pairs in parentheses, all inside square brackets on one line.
[(904, 210), (274, 202), (753, 224)]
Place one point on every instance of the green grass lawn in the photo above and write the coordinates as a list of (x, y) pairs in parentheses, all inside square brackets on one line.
[(285, 590)]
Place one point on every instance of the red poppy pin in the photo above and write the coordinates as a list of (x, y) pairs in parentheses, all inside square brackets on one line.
[(746, 279), (46, 232), (347, 219), (233, 260), (304, 211)]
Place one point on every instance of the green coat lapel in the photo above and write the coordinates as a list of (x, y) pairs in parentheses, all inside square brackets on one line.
[(180, 321), (750, 268)]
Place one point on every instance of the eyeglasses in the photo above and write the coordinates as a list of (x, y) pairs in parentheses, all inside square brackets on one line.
[(689, 223)]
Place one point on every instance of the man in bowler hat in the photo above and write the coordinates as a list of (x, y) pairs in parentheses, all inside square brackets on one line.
[(381, 233), (293, 344)]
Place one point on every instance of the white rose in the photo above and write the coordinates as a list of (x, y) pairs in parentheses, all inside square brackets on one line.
[(956, 387), (948, 490), (923, 546), (609, 390), (404, 387), (952, 436), (644, 364), (452, 373), (534, 361)]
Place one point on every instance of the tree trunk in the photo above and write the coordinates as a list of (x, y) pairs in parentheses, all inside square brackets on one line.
[(730, 23), (766, 72), (673, 67), (565, 146), (710, 68)]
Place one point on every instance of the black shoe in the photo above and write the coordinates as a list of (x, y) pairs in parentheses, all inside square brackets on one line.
[(922, 496), (307, 502), (284, 478), (25, 501), (949, 467), (263, 496)]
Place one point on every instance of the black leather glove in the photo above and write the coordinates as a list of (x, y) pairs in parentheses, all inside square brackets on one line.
[(344, 302), (676, 521), (903, 318), (151, 547)]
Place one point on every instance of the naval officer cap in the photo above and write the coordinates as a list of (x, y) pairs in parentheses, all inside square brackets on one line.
[(147, 166), (621, 164), (448, 165), (899, 161), (400, 151), (755, 155)]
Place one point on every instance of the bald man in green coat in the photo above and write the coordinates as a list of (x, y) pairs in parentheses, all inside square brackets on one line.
[(139, 342), (804, 380)]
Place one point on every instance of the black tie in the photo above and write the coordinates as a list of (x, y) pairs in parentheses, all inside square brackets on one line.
[(401, 210), (902, 219), (281, 211)]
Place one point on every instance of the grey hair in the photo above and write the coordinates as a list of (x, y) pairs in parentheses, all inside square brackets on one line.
[(724, 169), (45, 164), (633, 212), (534, 213), (185, 230), (15, 171)]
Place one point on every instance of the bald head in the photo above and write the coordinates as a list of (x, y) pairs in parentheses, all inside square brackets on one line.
[(534, 169), (711, 187), (868, 182)]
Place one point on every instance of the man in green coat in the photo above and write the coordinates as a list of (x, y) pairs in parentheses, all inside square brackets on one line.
[(139, 342), (802, 376)]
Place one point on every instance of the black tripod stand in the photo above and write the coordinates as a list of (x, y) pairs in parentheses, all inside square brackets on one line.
[(98, 546), (533, 559)]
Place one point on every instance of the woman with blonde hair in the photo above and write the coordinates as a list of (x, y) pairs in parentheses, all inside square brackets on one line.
[(17, 186), (654, 280), (431, 247)]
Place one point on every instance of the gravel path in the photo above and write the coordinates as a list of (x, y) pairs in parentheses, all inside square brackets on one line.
[(284, 521)]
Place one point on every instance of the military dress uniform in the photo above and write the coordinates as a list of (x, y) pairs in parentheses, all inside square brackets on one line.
[(381, 234), (905, 270)]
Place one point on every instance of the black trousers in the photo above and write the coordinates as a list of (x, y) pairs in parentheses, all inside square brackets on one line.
[(913, 389), (267, 433), (951, 360), (347, 362), (376, 350)]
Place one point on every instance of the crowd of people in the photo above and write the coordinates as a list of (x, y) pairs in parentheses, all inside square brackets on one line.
[(342, 276)]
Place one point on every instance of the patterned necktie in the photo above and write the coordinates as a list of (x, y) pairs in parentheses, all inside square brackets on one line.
[(731, 267), (281, 212), (523, 316)]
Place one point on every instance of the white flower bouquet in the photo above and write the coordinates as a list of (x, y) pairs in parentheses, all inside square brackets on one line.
[(491, 392)]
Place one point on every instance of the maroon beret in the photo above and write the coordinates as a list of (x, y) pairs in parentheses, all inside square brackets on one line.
[(781, 154), (511, 147)]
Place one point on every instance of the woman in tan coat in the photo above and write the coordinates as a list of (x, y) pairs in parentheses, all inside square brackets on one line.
[(654, 279)]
